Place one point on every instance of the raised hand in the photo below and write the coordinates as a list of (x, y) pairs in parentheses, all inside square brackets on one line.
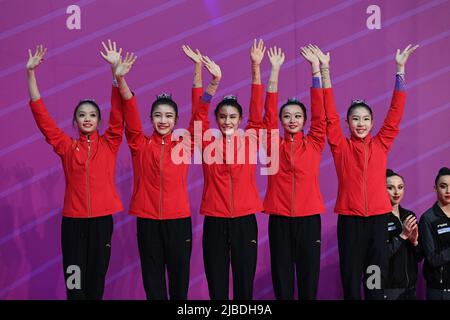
[(124, 66), (310, 56), (276, 57), (212, 67), (257, 51), (36, 59), (111, 55), (196, 56), (402, 57), (324, 59)]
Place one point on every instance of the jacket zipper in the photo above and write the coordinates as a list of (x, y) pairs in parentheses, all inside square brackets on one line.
[(365, 177), (87, 176), (161, 179), (293, 178), (231, 191)]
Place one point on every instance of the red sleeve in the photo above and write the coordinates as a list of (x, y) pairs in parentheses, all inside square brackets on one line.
[(133, 126), (196, 96), (113, 135), (255, 120), (270, 121), (271, 111), (391, 125), (334, 131), (53, 134), (318, 121), (200, 117)]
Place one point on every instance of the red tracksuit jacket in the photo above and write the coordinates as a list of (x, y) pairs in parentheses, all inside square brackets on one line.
[(361, 163), (160, 185), (230, 190), (294, 190), (89, 163)]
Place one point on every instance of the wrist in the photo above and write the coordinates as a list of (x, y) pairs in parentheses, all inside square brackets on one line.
[(276, 68), (400, 68), (325, 65), (403, 236)]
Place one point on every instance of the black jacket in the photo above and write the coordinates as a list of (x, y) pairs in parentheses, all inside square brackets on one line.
[(403, 256), (434, 230)]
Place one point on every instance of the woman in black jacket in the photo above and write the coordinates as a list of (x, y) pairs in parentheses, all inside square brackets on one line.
[(434, 229), (404, 249)]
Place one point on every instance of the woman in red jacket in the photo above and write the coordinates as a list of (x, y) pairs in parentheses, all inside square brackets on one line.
[(160, 198), (89, 166), (230, 195), (362, 203), (293, 198)]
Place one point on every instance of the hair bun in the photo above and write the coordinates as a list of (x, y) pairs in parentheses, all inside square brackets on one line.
[(390, 172)]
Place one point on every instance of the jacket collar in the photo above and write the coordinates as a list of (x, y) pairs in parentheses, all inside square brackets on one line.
[(158, 138), (438, 211), (92, 136), (366, 140), (296, 137)]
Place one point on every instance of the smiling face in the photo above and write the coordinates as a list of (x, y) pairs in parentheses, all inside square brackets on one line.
[(443, 190), (395, 188), (360, 122), (87, 118), (228, 120), (164, 119), (292, 118)]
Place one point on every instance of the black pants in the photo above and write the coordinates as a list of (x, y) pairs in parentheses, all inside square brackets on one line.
[(362, 246), (235, 238), (295, 247), (400, 294), (436, 294), (86, 248), (165, 243)]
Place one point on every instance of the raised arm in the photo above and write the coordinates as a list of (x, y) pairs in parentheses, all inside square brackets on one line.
[(256, 55), (270, 120), (53, 134), (202, 109), (197, 88), (255, 120), (334, 131), (114, 132), (391, 124), (133, 126), (318, 121), (276, 58), (34, 60)]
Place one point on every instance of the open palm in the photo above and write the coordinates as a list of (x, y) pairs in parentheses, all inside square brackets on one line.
[(125, 66), (111, 55), (36, 59)]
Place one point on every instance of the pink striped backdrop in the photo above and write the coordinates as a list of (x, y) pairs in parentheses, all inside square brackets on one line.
[(32, 181)]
